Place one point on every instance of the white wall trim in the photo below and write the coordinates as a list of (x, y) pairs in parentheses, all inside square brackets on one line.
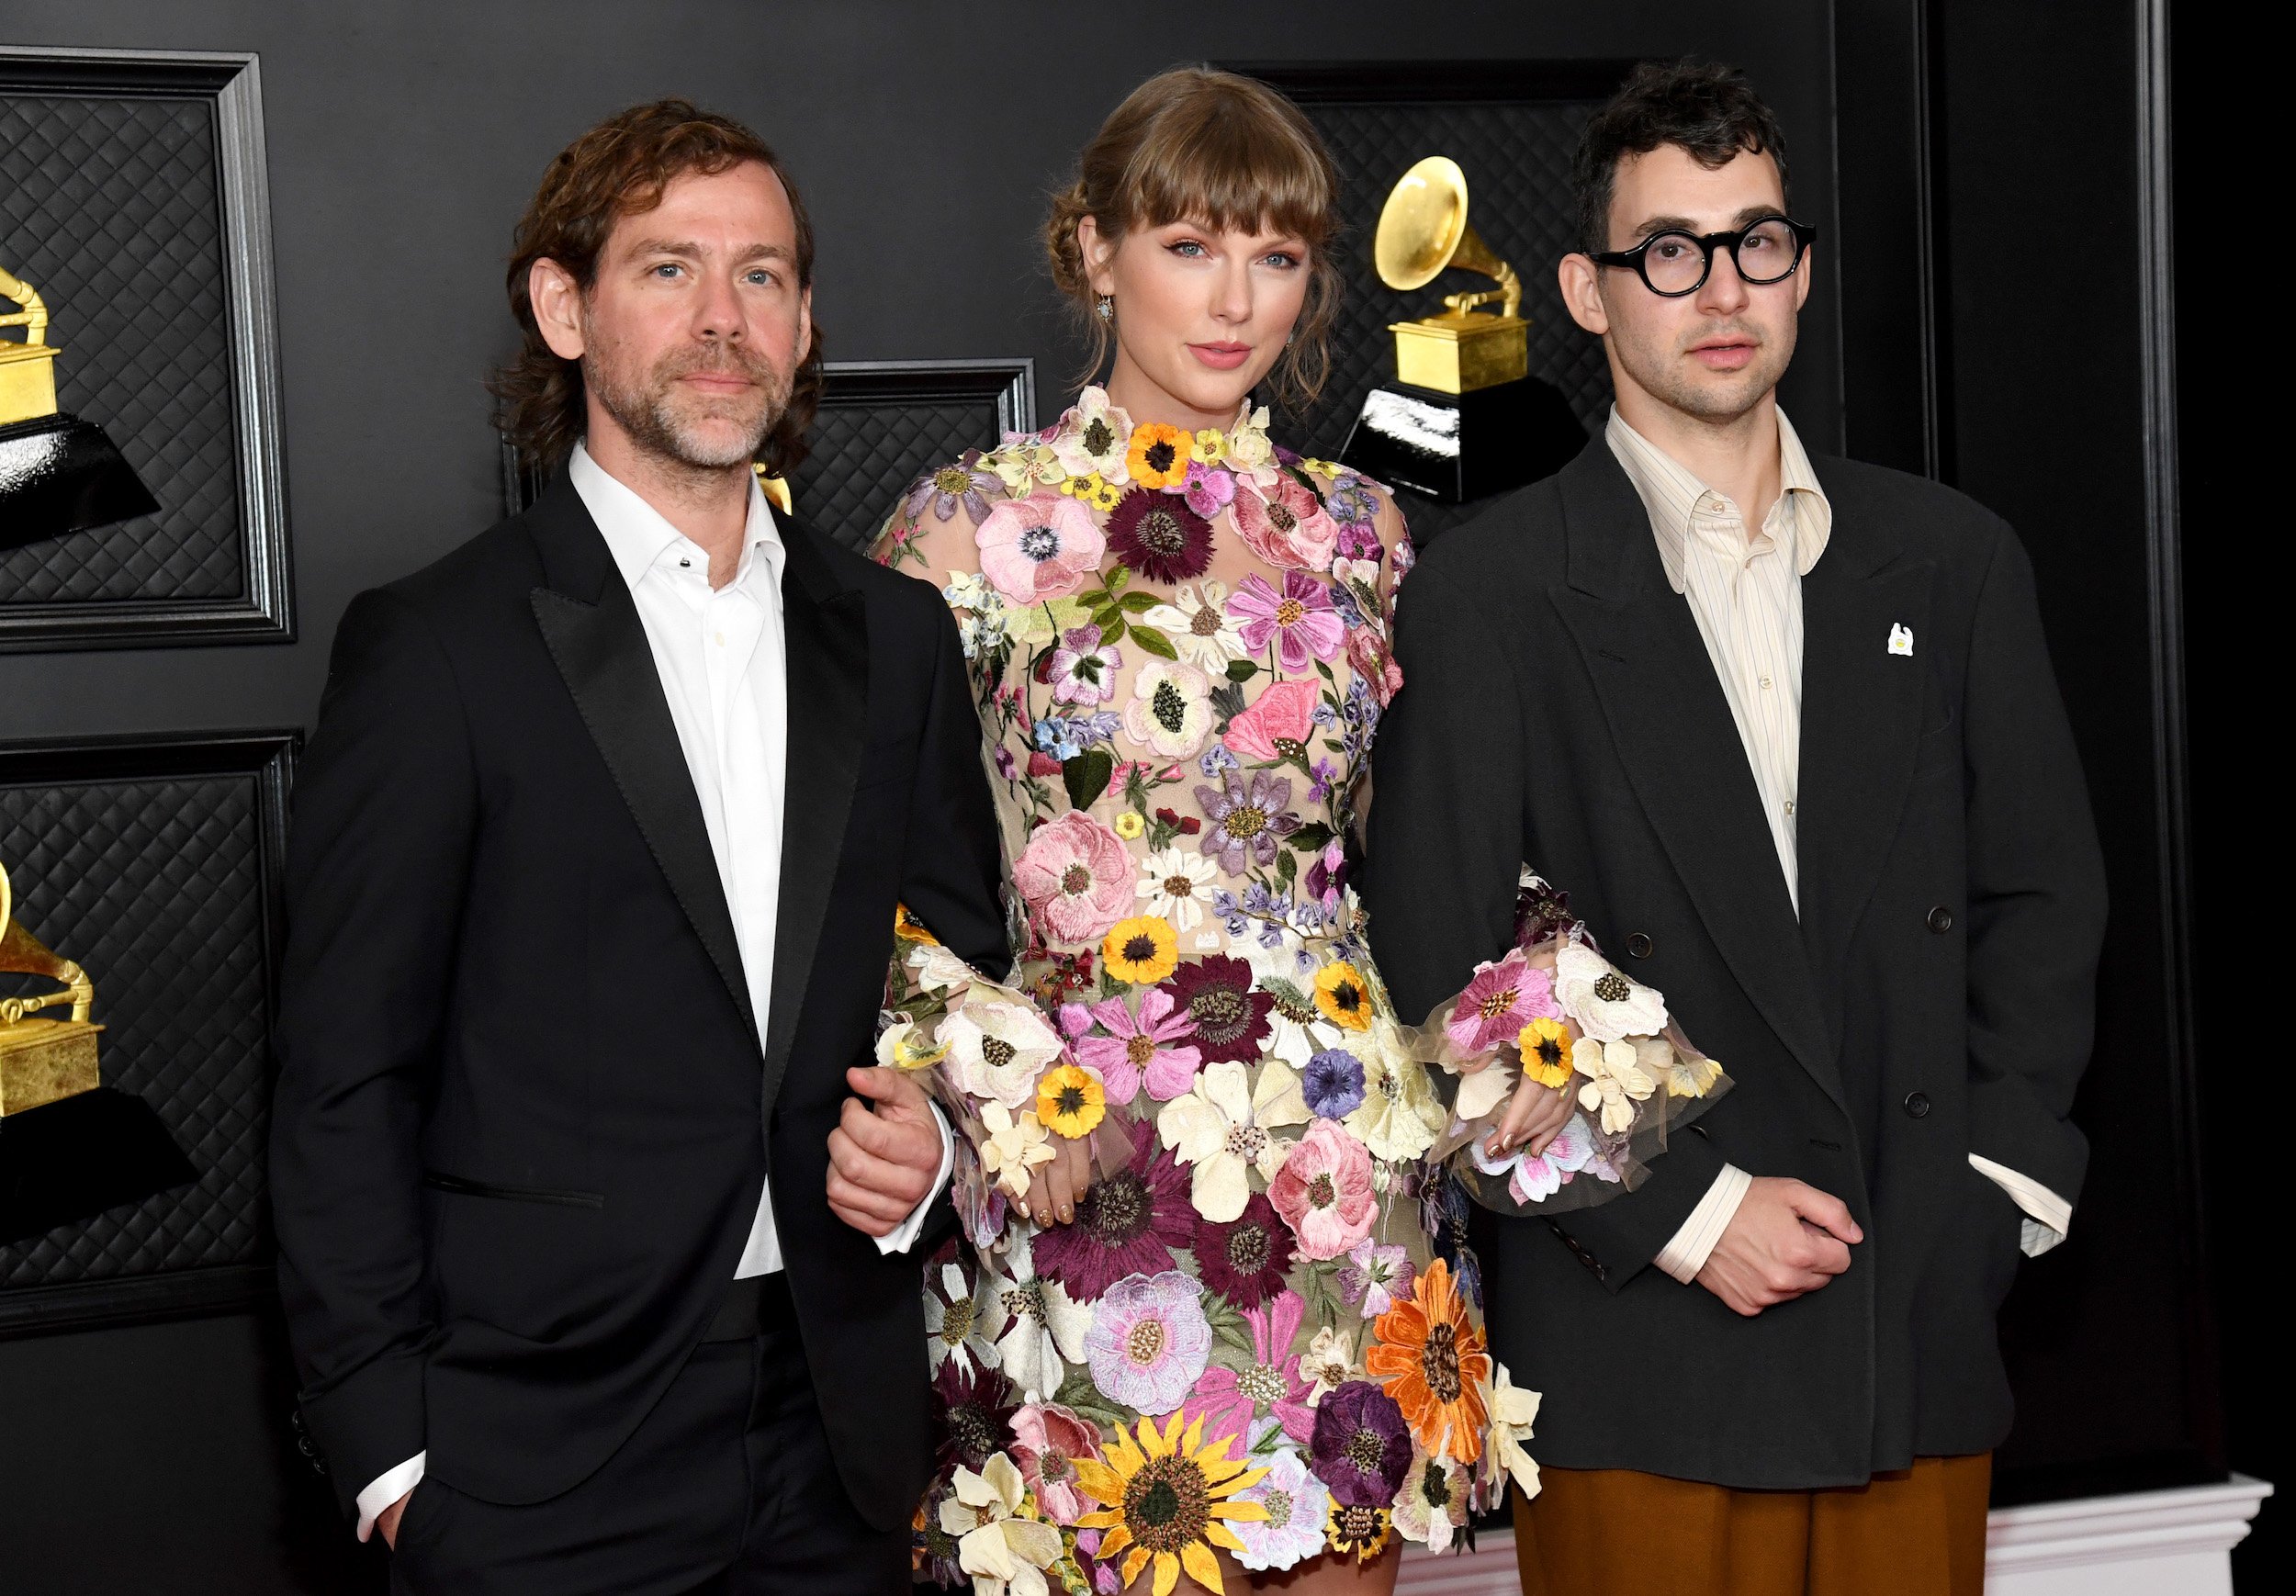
[(2154, 1543)]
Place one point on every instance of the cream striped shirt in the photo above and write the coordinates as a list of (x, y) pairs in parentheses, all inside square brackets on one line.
[(1745, 592)]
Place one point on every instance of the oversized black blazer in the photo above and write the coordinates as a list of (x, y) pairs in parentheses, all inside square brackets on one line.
[(522, 1115), (1933, 999)]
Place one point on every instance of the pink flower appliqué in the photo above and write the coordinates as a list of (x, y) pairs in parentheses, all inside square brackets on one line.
[(1083, 671), (1323, 1191), (1300, 619), (1047, 1439), (1375, 1276), (1284, 712), (1137, 1048), (1287, 526), (1499, 1002), (1210, 488), (1075, 877), (1149, 1340), (1370, 656), (1039, 547), (1229, 1400)]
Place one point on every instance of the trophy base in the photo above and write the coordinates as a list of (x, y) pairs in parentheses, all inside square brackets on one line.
[(59, 474), (73, 1159), (1462, 446), (42, 1061)]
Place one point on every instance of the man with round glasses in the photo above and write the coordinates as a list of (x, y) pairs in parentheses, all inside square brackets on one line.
[(1787, 725)]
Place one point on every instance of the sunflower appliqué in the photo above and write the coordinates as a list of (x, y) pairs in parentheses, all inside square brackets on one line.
[(1168, 1500), (1360, 1531), (1430, 1355)]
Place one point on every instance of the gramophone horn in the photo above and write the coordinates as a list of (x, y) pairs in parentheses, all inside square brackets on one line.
[(1424, 228)]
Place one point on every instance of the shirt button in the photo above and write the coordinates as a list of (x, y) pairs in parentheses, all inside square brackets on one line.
[(1765, 684), (1917, 1104), (1941, 919), (1641, 945), (1789, 806), (721, 639)]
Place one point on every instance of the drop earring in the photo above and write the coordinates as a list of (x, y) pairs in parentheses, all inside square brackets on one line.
[(1107, 308)]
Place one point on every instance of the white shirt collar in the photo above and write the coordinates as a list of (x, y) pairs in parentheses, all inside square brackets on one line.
[(640, 538), (1671, 491)]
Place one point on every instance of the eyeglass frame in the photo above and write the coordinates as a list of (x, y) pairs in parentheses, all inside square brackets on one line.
[(1805, 235)]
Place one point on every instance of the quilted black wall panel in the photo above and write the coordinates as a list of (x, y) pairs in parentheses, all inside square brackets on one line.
[(154, 866), (109, 208)]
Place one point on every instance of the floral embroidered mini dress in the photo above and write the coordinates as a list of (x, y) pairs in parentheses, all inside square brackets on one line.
[(1263, 1331)]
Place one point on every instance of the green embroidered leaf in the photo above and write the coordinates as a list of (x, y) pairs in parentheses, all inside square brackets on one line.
[(1139, 603), (1289, 995), (1154, 642), (1286, 868), (1323, 670), (1118, 578), (1111, 630), (1229, 1330), (1079, 1394), (1087, 776), (1313, 838), (1241, 669)]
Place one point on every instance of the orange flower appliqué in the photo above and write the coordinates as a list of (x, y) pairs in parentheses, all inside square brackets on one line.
[(1433, 1360), (1158, 456)]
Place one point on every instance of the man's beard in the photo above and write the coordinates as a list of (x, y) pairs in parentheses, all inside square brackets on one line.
[(667, 423)]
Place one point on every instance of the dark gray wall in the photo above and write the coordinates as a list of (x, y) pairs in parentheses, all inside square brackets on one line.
[(404, 138)]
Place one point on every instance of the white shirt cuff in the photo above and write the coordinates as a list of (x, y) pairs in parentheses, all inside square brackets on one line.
[(903, 1236), (388, 1489), (1694, 1243), (2048, 1216)]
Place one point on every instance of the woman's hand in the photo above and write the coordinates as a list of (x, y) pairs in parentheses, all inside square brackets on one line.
[(1054, 1188), (1535, 1116)]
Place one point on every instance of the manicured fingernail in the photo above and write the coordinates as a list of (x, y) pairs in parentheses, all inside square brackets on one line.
[(1065, 1214)]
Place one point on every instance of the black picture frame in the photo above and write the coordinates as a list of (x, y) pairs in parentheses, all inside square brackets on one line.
[(265, 758), (262, 610)]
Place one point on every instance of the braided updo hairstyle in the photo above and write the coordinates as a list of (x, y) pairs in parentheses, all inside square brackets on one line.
[(1226, 153)]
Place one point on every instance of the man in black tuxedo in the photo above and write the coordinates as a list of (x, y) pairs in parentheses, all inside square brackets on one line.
[(1786, 730), (593, 1269)]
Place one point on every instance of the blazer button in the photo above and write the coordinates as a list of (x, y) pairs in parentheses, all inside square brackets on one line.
[(1639, 944), (1941, 919), (1917, 1104)]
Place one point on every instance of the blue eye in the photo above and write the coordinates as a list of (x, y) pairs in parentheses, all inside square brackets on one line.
[(667, 269), (1187, 245), (1282, 258)]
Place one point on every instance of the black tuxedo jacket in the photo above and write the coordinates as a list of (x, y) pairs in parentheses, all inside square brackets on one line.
[(1933, 999), (523, 1114)]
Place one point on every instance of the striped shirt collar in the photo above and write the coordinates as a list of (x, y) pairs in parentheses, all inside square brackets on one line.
[(1802, 521)]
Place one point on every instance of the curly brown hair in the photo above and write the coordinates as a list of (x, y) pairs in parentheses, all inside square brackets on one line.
[(620, 168), (1706, 108), (1198, 145)]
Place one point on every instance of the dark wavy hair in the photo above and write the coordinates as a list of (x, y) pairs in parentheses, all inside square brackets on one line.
[(620, 168), (1705, 108)]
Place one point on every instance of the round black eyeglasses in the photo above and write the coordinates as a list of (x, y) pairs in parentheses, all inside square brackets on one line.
[(1674, 264)]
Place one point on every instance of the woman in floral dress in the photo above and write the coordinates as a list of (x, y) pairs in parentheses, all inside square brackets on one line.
[(1213, 1316)]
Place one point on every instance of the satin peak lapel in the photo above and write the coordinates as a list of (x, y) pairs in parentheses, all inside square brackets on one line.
[(1673, 731), (826, 630), (599, 648)]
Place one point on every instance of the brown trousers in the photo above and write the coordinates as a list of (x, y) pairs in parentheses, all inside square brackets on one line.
[(1609, 1531)]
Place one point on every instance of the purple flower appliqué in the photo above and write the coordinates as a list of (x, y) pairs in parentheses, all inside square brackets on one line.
[(1210, 488), (1127, 1223), (1151, 1047), (1299, 620), (1149, 1340), (1361, 1445), (1248, 816), (1333, 1083), (1082, 670), (1375, 1276), (962, 483)]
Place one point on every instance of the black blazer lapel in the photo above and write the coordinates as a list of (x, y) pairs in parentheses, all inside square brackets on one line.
[(825, 642), (1674, 733), (591, 627), (1860, 724)]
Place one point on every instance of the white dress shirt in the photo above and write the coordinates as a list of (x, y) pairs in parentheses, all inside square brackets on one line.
[(1745, 592), (720, 654)]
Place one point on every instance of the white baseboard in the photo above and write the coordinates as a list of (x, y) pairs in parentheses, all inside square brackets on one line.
[(2154, 1543)]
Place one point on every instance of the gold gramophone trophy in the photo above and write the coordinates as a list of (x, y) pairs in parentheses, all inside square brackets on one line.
[(42, 1058), (1465, 418), (58, 473)]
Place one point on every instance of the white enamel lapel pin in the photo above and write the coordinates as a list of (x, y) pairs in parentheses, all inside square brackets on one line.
[(1900, 639)]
